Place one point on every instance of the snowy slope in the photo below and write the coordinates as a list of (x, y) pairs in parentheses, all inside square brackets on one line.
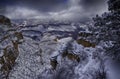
[(56, 52)]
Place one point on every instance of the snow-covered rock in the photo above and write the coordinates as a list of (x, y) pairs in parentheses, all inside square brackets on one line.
[(53, 53)]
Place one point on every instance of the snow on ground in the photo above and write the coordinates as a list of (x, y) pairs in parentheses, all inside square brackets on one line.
[(34, 60)]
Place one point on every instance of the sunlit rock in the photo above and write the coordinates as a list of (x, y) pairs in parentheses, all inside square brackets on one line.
[(85, 43)]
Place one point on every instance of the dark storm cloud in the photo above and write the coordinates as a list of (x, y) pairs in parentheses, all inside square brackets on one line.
[(57, 9), (42, 5), (93, 4)]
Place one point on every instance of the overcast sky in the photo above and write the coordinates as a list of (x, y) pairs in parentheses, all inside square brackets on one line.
[(57, 9)]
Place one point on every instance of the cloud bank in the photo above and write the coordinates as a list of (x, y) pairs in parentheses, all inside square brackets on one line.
[(55, 9)]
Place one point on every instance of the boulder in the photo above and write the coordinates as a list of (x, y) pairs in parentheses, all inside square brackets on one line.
[(4, 20)]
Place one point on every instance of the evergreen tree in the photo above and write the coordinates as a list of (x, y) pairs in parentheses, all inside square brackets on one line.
[(107, 28), (114, 5)]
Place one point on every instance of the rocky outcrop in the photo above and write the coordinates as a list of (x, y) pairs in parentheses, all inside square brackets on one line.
[(4, 20), (9, 47), (35, 52)]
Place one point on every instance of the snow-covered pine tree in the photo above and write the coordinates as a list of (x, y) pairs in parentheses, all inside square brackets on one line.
[(114, 5), (107, 29)]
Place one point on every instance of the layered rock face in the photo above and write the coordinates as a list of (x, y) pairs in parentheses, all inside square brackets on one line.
[(52, 51), (47, 51), (9, 46)]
